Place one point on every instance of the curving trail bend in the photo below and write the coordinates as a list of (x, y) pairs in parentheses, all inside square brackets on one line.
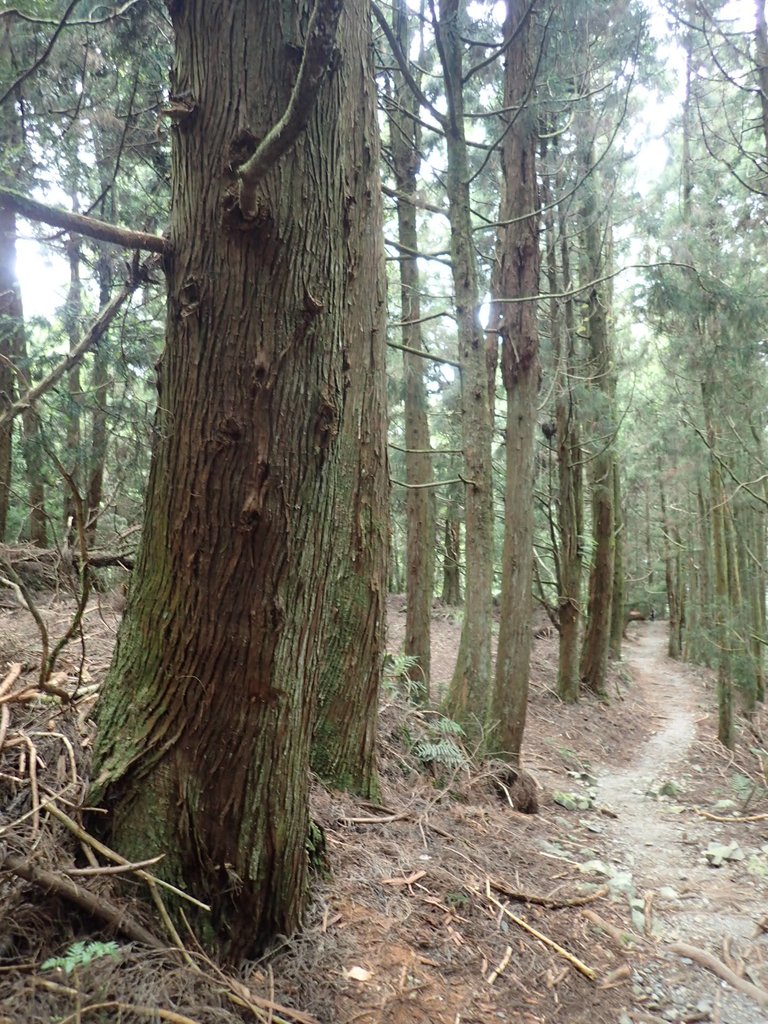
[(660, 846)]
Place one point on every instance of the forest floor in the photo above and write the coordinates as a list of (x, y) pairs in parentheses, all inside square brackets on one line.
[(442, 903)]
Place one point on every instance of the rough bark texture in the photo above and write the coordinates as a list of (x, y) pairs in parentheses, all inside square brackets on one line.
[(470, 686), (594, 658), (420, 499), (208, 712), (33, 457), (520, 374), (344, 741)]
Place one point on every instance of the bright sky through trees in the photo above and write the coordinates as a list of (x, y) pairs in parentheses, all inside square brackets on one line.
[(44, 279)]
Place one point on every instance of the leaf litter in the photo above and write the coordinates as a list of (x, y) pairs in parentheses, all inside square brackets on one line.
[(443, 904)]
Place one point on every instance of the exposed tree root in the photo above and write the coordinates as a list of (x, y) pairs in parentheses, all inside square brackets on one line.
[(711, 963)]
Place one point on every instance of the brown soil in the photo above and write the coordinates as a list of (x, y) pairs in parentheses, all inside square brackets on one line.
[(423, 915)]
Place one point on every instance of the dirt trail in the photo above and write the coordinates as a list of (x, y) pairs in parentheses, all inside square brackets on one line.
[(661, 849)]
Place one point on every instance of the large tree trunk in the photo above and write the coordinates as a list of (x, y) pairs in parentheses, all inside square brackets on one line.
[(207, 715), (344, 741), (520, 373)]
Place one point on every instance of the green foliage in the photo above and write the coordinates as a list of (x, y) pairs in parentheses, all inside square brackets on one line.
[(396, 679), (742, 785), (441, 745), (317, 849), (80, 954)]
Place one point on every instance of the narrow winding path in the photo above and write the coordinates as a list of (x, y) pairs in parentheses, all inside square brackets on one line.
[(662, 848)]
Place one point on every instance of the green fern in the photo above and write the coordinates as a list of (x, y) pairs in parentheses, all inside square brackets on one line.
[(448, 727), (395, 675), (80, 954), (444, 752)]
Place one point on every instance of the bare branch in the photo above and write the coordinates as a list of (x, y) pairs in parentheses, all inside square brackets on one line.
[(415, 352), (43, 56), (91, 227), (114, 13), (569, 292), (95, 332), (420, 204), (404, 66)]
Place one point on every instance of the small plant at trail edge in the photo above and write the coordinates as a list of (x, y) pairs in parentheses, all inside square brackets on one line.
[(80, 954), (440, 746)]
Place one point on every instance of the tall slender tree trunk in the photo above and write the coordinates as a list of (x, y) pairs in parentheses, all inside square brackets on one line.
[(470, 686), (420, 497), (520, 369), (256, 509), (451, 592), (617, 601), (570, 513), (761, 57), (670, 574), (11, 326), (757, 600), (100, 388), (594, 660), (33, 457), (73, 319), (725, 728)]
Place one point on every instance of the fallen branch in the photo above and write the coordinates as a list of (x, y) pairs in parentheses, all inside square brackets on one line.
[(502, 966), (80, 833), (711, 963), (98, 906), (580, 966), (318, 50), (14, 672), (151, 1012), (547, 901), (730, 821), (113, 869)]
